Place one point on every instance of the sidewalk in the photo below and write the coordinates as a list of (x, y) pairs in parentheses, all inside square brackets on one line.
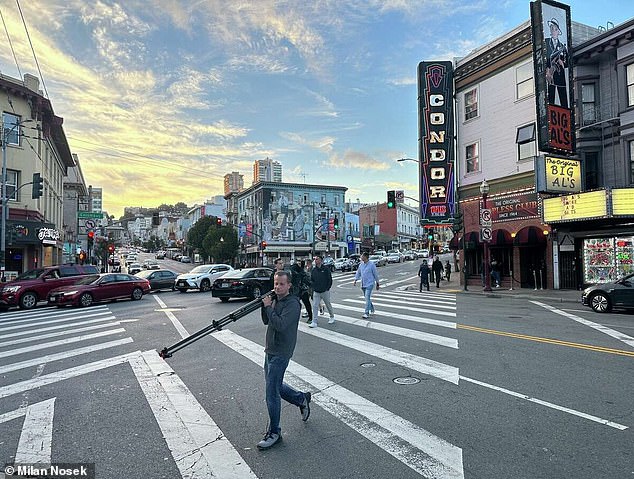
[(551, 295)]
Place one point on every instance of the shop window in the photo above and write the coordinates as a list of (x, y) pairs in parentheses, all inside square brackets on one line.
[(524, 80), (589, 108), (12, 128), (591, 167), (472, 155), (471, 104), (525, 139), (630, 84)]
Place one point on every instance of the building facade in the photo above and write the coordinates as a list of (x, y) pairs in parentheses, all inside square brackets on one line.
[(233, 182), (267, 170)]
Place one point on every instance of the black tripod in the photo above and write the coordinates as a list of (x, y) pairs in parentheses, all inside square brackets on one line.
[(216, 325)]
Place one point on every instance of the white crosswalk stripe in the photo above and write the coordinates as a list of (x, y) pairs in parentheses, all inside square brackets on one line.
[(408, 308)]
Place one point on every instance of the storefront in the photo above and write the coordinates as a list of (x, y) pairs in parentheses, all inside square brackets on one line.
[(31, 244)]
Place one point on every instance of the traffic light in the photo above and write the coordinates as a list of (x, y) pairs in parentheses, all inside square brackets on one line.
[(263, 245), (391, 199), (218, 221), (336, 223), (457, 223), (91, 237), (110, 248), (430, 234), (38, 186)]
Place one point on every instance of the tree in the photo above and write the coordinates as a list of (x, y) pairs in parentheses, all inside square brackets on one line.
[(221, 244), (198, 231), (181, 207)]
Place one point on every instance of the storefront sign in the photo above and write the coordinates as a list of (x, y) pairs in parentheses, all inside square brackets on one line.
[(623, 201), (436, 142), (558, 175), (28, 232), (48, 235), (581, 206), (516, 206)]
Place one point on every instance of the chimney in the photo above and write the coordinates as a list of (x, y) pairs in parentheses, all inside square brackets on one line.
[(31, 82)]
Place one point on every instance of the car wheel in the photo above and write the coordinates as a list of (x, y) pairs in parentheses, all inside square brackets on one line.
[(600, 303), (182, 290), (205, 285), (224, 300), (137, 294), (256, 292), (85, 300), (28, 300)]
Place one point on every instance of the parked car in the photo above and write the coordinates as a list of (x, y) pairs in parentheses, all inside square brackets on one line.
[(395, 251), (342, 264), (160, 255), (134, 268), (409, 255), (151, 264), (378, 260), (34, 285), (393, 258), (244, 283), (185, 259), (602, 298), (354, 260), (96, 288), (329, 263), (201, 277), (159, 279)]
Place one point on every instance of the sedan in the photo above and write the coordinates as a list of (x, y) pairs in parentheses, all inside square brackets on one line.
[(244, 283), (151, 264), (95, 288), (393, 258), (134, 268), (343, 264), (159, 279), (603, 297), (378, 259)]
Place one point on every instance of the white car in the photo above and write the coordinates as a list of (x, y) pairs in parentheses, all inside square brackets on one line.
[(201, 277), (393, 258), (342, 264), (378, 260)]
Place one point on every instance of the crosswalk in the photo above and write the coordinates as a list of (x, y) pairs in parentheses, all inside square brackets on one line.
[(199, 448)]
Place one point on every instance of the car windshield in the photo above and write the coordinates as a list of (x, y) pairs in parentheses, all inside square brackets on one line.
[(244, 273), (375, 256), (87, 279), (201, 269), (31, 274)]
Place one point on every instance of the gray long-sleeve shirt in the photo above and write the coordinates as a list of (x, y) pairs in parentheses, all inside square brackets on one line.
[(282, 319)]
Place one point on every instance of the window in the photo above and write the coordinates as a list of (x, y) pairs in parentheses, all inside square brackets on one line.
[(630, 84), (525, 140), (588, 104), (12, 184), (473, 158), (632, 162), (471, 104), (11, 128), (524, 80), (591, 170)]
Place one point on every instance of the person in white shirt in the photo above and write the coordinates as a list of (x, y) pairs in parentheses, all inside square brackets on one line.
[(369, 277)]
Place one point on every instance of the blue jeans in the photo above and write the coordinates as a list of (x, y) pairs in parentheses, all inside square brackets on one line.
[(367, 292), (276, 389)]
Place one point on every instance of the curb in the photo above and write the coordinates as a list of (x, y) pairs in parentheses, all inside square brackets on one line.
[(500, 294)]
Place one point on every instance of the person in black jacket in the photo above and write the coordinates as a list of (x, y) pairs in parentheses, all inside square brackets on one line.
[(321, 279), (437, 269), (301, 287), (423, 272), (281, 315)]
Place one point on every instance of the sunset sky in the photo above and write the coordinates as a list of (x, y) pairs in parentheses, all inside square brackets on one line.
[(161, 98)]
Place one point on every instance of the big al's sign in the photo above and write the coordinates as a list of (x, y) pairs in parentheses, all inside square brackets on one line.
[(435, 142), (552, 60)]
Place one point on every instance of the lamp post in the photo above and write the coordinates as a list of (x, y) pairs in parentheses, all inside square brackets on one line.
[(484, 190)]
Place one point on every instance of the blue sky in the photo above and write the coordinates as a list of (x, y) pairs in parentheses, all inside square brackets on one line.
[(161, 98)]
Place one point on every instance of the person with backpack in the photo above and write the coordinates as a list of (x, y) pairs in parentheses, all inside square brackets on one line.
[(423, 272)]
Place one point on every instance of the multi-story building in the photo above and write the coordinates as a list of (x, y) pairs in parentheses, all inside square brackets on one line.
[(234, 182), (267, 170), (75, 200), (389, 228), (33, 141), (293, 219)]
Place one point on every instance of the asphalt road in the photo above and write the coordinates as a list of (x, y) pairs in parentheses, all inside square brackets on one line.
[(436, 385)]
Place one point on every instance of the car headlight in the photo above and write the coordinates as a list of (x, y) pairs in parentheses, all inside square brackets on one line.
[(11, 289), (70, 293)]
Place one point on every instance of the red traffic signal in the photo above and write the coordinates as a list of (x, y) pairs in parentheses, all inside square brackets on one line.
[(91, 235), (219, 221), (111, 248), (263, 245)]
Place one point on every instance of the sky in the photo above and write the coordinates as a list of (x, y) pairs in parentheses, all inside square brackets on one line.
[(162, 98)]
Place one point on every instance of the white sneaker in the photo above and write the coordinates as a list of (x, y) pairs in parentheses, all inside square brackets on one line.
[(313, 324), (331, 320), (365, 316)]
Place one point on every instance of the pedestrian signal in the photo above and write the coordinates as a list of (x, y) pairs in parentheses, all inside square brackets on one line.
[(391, 199)]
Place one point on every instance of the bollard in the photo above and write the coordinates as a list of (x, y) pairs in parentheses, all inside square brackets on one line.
[(535, 279), (511, 289)]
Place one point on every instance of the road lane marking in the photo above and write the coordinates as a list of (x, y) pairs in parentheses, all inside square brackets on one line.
[(427, 295), (198, 446), (420, 450), (408, 333), (413, 301), (558, 342), (408, 308), (59, 326), (58, 376), (61, 342), (574, 412), (177, 324), (36, 438), (389, 314), (108, 316), (50, 313), (394, 356), (629, 340), (63, 355), (56, 334)]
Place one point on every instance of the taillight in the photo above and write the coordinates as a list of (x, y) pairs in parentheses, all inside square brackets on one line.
[(237, 283)]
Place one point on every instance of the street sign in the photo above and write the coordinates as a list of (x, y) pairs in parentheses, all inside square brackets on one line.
[(90, 215), (399, 196), (349, 239), (486, 234), (90, 224), (485, 218)]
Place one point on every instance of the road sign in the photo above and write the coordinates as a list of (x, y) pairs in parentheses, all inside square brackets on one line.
[(95, 215), (90, 224), (349, 239), (485, 218), (486, 234), (399, 196)]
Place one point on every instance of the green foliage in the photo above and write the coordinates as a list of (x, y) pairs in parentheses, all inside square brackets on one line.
[(198, 231), (221, 251)]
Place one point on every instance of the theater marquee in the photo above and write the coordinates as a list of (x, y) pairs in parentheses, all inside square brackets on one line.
[(435, 142)]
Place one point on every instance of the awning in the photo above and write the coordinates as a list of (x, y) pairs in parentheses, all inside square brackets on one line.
[(473, 240), (501, 237), (529, 236)]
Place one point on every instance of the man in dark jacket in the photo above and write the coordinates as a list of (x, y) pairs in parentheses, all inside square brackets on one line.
[(322, 282), (301, 287), (423, 272), (437, 268), (282, 318)]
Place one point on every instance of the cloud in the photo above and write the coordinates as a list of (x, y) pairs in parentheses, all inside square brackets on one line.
[(356, 159)]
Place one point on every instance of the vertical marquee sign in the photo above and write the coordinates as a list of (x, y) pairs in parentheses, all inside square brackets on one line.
[(552, 61), (436, 142)]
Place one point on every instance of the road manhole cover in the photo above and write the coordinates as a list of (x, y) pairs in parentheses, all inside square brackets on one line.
[(407, 380), (367, 365)]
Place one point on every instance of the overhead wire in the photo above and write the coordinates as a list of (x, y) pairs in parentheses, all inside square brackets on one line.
[(15, 58), (32, 49)]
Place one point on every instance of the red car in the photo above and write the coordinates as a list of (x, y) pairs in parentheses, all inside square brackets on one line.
[(95, 288)]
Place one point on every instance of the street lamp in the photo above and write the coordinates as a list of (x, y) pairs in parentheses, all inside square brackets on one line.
[(484, 190)]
